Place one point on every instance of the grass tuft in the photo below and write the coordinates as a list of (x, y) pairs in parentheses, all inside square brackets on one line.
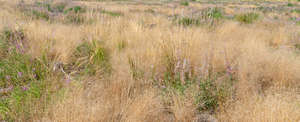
[(247, 18)]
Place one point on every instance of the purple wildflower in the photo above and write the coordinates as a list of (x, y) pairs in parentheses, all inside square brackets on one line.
[(298, 19), (229, 70), (24, 88), (68, 80), (20, 74)]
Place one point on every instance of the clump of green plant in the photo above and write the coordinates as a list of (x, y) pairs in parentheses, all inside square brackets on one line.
[(184, 3), (90, 57), (296, 11), (290, 5), (247, 18), (297, 46), (209, 16), (212, 95), (111, 13), (21, 78), (75, 9), (214, 13), (40, 15), (186, 21), (73, 15)]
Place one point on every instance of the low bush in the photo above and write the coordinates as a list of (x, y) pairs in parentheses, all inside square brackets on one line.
[(184, 3), (247, 18)]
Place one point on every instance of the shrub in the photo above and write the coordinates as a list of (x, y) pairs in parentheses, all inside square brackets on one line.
[(211, 95), (290, 5), (184, 3), (75, 9), (93, 57), (40, 15), (296, 11), (247, 18), (214, 13)]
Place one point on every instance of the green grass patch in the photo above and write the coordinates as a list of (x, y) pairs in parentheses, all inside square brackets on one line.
[(290, 4), (297, 46), (296, 11), (214, 13), (40, 15), (184, 3), (93, 57), (75, 9), (247, 18)]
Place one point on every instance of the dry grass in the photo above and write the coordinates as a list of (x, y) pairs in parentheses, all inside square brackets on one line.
[(144, 47)]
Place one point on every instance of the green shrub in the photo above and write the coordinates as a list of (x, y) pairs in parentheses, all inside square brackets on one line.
[(40, 15), (184, 3), (296, 11), (214, 13), (247, 17), (75, 9), (208, 96), (297, 46), (93, 57), (290, 5), (212, 95)]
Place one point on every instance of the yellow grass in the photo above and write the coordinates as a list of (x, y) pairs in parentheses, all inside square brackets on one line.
[(264, 61)]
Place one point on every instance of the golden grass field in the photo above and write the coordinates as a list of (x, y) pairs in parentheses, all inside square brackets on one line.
[(154, 61)]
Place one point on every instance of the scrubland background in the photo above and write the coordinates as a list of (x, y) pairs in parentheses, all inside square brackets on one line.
[(134, 61)]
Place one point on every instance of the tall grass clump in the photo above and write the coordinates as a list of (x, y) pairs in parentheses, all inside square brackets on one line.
[(91, 57), (184, 3), (247, 18)]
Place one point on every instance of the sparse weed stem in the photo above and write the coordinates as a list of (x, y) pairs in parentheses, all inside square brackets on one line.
[(91, 57)]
